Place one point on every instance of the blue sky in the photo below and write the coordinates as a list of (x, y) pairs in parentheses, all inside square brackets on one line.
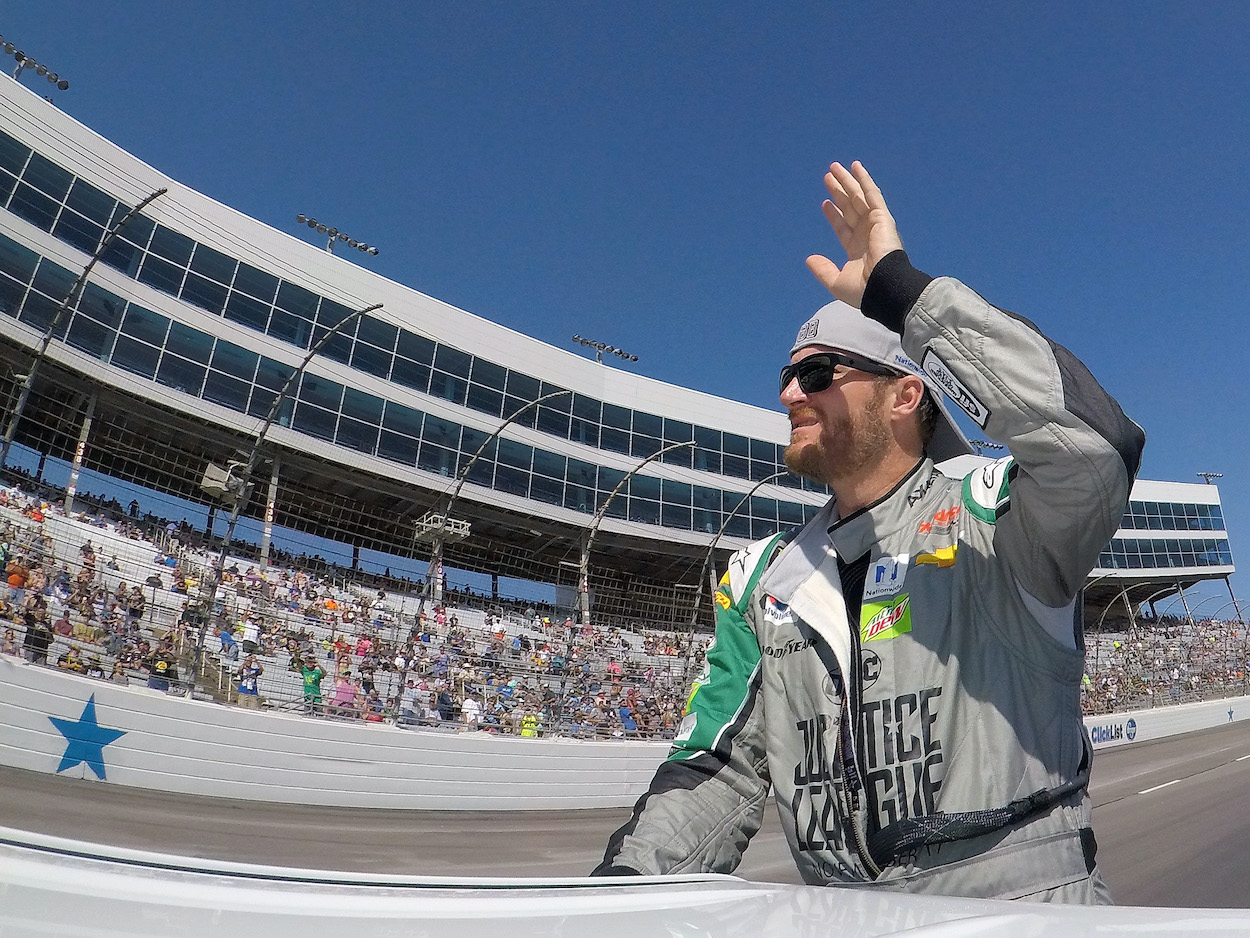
[(649, 174)]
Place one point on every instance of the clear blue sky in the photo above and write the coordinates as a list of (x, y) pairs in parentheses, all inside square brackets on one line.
[(649, 174)]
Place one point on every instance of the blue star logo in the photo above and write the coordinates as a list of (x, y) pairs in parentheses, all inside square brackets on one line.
[(87, 740)]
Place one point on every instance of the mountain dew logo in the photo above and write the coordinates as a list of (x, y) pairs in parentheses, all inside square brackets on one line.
[(889, 619)]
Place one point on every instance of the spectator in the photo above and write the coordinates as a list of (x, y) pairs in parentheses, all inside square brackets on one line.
[(249, 676), (312, 674)]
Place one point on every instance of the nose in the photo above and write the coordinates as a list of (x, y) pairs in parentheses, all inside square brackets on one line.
[(792, 395)]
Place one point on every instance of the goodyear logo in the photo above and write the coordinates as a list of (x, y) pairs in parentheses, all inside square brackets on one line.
[(885, 620)]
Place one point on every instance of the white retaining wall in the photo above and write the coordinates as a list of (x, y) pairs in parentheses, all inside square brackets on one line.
[(195, 747)]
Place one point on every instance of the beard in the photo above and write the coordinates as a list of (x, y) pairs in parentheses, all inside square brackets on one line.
[(847, 445)]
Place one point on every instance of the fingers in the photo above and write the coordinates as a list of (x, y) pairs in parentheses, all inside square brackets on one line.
[(825, 270), (853, 191)]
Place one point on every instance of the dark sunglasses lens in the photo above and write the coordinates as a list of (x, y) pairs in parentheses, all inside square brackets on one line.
[(815, 377)]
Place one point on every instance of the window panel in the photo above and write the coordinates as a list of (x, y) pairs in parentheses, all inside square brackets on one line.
[(584, 432), (441, 432), (47, 177), (213, 264), (101, 305), (336, 348), (580, 498), (734, 444), (234, 360), (13, 155), (645, 487), (736, 466), (18, 261), (189, 343), (314, 421), (356, 435), (330, 314), (549, 464), (616, 416), (137, 230), (39, 311), (452, 361), (173, 246), (512, 407), (262, 400), (77, 231), (524, 387), (581, 473), (375, 361), (402, 419), (643, 511), (181, 374), (609, 479), (738, 526), (448, 387), (485, 400), (396, 447), (90, 336), (323, 392), (704, 520), (789, 513), (587, 408), (512, 453), (376, 332), (122, 255), (362, 406), (205, 293), (489, 375), (675, 516), (553, 421), (513, 481), (546, 490), (256, 283), (11, 294), (288, 327), (436, 459), (411, 374), (676, 493), (762, 528), (682, 456), (33, 206), (648, 424), (224, 390), (297, 300), (247, 312), (614, 441), (644, 446), (676, 431), (273, 375), (91, 203), (54, 281), (135, 356), (162, 275), (417, 347), (7, 184)]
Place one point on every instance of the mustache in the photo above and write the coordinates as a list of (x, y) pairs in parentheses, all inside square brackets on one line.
[(802, 413)]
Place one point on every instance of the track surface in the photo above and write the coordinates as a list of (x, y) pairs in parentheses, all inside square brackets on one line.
[(1170, 818)]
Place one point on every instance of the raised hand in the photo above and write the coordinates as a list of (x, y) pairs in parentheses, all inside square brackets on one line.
[(857, 212)]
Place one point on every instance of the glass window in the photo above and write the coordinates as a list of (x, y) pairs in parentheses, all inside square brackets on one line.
[(213, 264), (376, 332), (138, 228), (180, 374), (356, 435), (448, 387), (273, 375), (677, 493), (122, 255), (581, 473), (436, 459), (288, 327), (323, 392), (75, 230), (789, 513), (204, 293), (587, 408), (644, 487), (736, 466), (552, 420), (452, 361), (263, 401), (314, 421), (411, 374), (220, 389), (256, 283), (91, 203), (616, 416), (247, 312), (162, 275), (17, 261), (331, 314), (47, 177), (33, 206), (644, 446), (483, 470), (580, 498), (11, 295), (738, 526), (234, 360), (394, 446), (703, 519), (676, 431), (13, 155), (584, 432), (643, 511), (489, 375), (442, 432), (524, 387), (297, 300), (512, 453), (614, 441), (675, 516), (764, 451), (336, 347), (546, 490), (648, 425), (375, 361), (484, 400), (681, 456), (403, 419), (53, 281), (171, 245), (417, 347), (136, 356), (189, 343), (7, 185), (90, 336), (361, 406), (101, 305), (521, 412), (734, 444), (38, 312), (549, 464)]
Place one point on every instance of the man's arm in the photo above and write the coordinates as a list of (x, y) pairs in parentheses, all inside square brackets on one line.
[(1075, 453), (706, 800)]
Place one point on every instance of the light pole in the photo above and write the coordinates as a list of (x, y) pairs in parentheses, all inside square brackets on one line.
[(707, 571), (435, 525), (985, 444), (24, 62), (583, 567), (235, 481), (333, 234), (71, 300), (601, 347)]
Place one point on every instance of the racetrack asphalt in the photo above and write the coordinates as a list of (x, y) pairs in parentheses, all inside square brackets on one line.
[(1168, 815)]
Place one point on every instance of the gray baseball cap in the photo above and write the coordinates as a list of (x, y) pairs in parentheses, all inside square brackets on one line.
[(841, 327)]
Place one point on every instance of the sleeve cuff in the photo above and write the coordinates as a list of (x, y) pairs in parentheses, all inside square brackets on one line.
[(892, 290), (603, 870)]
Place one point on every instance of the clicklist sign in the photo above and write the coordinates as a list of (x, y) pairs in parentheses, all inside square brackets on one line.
[(1113, 732)]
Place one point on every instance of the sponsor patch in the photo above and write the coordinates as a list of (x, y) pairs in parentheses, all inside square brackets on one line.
[(775, 611), (722, 599), (942, 557), (885, 577), (686, 729), (885, 620), (954, 388), (941, 522)]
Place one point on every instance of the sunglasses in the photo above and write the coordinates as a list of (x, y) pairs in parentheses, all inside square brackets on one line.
[(817, 372)]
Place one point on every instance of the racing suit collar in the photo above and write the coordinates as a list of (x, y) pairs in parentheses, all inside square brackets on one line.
[(858, 532)]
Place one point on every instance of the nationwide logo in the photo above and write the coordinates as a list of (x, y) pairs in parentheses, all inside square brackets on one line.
[(885, 577), (881, 621)]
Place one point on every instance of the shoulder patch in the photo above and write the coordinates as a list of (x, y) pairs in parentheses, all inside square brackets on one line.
[(987, 490)]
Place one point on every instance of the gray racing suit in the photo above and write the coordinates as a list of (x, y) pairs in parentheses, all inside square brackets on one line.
[(921, 658)]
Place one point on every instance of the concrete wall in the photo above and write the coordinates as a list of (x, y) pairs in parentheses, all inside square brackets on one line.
[(180, 745)]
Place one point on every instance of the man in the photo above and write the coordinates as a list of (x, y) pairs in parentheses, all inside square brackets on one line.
[(248, 687), (904, 670), (312, 674)]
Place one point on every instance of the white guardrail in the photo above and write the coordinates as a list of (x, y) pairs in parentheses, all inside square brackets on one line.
[(70, 725)]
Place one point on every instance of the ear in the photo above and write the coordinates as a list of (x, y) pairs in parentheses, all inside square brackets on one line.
[(908, 393)]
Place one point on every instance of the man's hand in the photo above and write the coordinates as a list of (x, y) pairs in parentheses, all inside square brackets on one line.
[(860, 219)]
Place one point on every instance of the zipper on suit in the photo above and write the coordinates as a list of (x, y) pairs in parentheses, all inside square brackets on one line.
[(854, 697)]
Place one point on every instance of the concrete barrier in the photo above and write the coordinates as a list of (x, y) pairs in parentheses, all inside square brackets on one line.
[(62, 723)]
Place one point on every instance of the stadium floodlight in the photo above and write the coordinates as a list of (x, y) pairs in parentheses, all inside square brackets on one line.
[(25, 62), (601, 347), (1208, 476), (985, 444), (333, 235)]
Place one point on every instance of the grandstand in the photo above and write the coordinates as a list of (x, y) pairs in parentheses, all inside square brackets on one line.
[(174, 348)]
